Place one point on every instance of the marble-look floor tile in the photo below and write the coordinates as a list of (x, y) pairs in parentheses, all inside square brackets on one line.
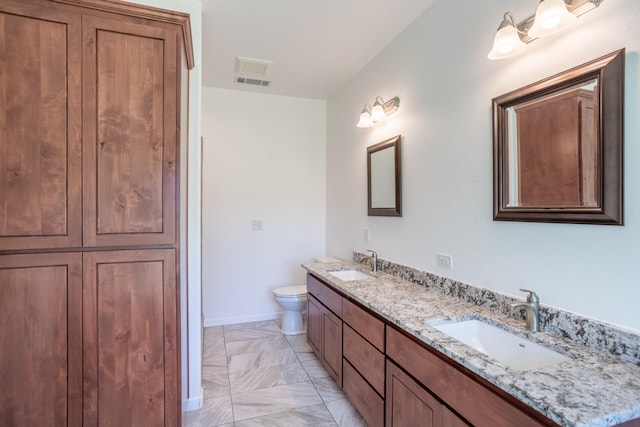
[(272, 400), (261, 359), (253, 330), (345, 414), (310, 416), (272, 376), (299, 343), (314, 368), (216, 385), (217, 411), (213, 332), (256, 345), (328, 389), (306, 356)]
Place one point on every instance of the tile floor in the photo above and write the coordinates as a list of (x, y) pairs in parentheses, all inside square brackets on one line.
[(255, 376)]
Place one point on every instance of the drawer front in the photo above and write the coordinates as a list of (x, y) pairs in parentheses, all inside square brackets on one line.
[(363, 396), (364, 323), (327, 296), (472, 400), (364, 357)]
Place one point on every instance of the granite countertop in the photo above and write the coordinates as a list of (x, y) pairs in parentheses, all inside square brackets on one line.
[(592, 389)]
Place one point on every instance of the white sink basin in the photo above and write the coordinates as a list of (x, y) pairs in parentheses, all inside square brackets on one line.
[(348, 275), (509, 349)]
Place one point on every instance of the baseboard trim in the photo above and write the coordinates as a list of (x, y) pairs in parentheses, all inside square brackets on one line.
[(243, 319), (193, 403)]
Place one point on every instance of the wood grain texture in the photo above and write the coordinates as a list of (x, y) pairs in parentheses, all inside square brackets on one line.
[(332, 344), (408, 404), (39, 128), (327, 296), (130, 338), (314, 325), (364, 357), (471, 399), (131, 81), (369, 403), (363, 322), (557, 163), (41, 361)]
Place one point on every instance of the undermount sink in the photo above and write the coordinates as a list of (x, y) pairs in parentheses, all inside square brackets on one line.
[(509, 349), (348, 275)]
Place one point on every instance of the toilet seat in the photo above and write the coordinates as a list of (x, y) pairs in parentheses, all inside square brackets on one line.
[(291, 291)]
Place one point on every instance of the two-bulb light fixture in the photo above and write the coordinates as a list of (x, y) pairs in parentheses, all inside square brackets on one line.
[(381, 109), (551, 16)]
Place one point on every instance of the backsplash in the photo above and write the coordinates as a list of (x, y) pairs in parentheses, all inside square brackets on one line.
[(589, 332)]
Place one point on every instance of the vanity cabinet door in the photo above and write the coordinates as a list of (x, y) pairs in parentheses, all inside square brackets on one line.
[(473, 400), (363, 396), (408, 404), (324, 335), (314, 325), (332, 344)]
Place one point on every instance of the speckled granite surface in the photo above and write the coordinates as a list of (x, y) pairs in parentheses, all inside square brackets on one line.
[(594, 388)]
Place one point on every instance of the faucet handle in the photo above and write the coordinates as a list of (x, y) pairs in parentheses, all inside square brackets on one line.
[(532, 297)]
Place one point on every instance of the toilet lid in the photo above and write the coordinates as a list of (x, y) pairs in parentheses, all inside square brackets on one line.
[(291, 290)]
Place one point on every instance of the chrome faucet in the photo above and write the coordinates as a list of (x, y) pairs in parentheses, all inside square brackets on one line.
[(374, 260), (532, 307)]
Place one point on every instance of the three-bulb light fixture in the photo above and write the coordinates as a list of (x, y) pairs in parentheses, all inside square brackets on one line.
[(551, 16), (380, 110)]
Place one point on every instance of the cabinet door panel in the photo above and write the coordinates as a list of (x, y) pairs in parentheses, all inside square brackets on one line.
[(130, 82), (130, 338), (314, 325), (41, 360), (40, 154), (364, 398), (408, 404), (332, 344)]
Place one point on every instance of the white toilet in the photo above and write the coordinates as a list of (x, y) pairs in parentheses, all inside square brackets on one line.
[(292, 299)]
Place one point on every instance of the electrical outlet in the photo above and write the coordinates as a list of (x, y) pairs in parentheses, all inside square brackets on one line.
[(367, 236), (256, 225), (445, 261)]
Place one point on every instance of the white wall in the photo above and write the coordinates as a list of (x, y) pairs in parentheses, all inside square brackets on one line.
[(190, 228), (263, 159), (438, 68)]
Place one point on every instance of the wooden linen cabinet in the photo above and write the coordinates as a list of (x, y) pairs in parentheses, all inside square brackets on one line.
[(90, 122)]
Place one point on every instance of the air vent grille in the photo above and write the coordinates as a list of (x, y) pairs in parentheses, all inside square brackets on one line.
[(256, 82)]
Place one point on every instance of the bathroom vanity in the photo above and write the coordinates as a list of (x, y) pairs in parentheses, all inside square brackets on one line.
[(375, 335)]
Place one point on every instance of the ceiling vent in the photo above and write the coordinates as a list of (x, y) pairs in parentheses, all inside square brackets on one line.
[(255, 67), (256, 82)]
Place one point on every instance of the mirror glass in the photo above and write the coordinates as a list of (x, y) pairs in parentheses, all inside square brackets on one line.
[(554, 165), (558, 147), (384, 178)]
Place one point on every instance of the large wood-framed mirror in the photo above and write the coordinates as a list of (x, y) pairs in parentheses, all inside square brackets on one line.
[(384, 178), (558, 147)]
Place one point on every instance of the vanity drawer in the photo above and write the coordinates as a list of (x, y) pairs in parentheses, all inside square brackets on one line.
[(364, 323), (327, 296), (474, 401), (363, 397), (364, 357)]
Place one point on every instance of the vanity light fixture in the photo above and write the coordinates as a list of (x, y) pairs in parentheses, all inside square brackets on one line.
[(381, 109), (551, 16)]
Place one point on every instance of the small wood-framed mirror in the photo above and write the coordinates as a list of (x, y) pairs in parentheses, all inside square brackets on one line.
[(384, 178), (558, 147)]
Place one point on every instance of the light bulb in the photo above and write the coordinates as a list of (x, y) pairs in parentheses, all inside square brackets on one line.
[(506, 42), (551, 16)]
